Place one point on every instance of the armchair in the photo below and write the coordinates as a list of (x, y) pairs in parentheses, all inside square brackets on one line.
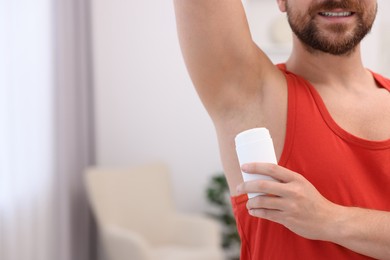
[(137, 219)]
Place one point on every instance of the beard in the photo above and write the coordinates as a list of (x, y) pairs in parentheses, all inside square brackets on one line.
[(343, 40)]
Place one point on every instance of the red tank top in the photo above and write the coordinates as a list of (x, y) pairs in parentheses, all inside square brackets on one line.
[(345, 169)]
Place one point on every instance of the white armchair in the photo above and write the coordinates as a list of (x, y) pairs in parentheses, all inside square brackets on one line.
[(137, 219)]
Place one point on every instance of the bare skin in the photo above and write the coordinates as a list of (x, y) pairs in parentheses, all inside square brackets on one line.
[(242, 89)]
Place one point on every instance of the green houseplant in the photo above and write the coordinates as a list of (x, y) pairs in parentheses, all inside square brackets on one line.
[(217, 193)]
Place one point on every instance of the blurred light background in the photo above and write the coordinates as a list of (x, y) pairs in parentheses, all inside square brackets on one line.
[(97, 82)]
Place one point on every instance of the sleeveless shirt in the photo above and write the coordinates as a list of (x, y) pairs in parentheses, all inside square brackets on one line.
[(344, 168)]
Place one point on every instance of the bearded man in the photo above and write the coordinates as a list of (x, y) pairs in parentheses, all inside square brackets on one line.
[(329, 118)]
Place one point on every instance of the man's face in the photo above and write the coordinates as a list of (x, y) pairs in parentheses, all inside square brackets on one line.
[(332, 26)]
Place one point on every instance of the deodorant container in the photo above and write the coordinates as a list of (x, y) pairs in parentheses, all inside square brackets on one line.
[(255, 145)]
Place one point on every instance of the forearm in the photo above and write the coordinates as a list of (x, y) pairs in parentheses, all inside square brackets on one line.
[(362, 230), (299, 206)]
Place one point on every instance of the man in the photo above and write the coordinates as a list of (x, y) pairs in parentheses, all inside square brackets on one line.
[(329, 118)]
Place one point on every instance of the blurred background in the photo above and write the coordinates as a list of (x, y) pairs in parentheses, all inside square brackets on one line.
[(102, 83)]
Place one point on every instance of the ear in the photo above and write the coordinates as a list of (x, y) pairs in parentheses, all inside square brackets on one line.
[(282, 5)]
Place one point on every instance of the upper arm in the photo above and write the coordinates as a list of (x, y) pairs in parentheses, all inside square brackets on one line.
[(224, 63)]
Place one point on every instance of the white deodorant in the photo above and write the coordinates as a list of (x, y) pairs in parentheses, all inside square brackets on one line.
[(255, 145)]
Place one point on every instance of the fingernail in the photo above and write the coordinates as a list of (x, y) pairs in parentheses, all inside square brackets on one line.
[(244, 167)]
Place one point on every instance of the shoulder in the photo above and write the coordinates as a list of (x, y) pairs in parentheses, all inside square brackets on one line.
[(382, 80)]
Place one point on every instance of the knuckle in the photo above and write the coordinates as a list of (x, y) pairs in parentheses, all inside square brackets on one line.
[(295, 191), (262, 186), (272, 168), (294, 208)]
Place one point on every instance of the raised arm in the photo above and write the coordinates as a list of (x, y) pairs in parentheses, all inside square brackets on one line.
[(224, 63)]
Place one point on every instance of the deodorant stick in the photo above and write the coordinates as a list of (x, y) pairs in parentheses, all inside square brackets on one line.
[(255, 145)]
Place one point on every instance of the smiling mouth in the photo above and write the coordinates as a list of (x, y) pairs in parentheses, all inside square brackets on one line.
[(336, 14)]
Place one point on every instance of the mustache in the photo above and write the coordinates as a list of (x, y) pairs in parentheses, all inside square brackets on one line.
[(348, 5)]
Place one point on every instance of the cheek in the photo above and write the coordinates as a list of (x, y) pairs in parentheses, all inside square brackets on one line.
[(370, 7), (370, 15), (298, 19)]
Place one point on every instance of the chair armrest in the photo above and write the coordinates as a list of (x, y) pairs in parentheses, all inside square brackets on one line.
[(196, 230), (122, 244)]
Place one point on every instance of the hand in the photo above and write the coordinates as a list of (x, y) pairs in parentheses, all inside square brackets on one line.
[(293, 202)]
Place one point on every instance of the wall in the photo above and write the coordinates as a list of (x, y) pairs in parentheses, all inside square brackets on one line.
[(147, 109)]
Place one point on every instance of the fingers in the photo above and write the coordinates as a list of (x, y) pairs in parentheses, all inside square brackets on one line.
[(273, 170), (282, 188), (266, 207), (265, 202), (269, 214), (263, 186)]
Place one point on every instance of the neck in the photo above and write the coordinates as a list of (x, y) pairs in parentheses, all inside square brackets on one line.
[(323, 69)]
